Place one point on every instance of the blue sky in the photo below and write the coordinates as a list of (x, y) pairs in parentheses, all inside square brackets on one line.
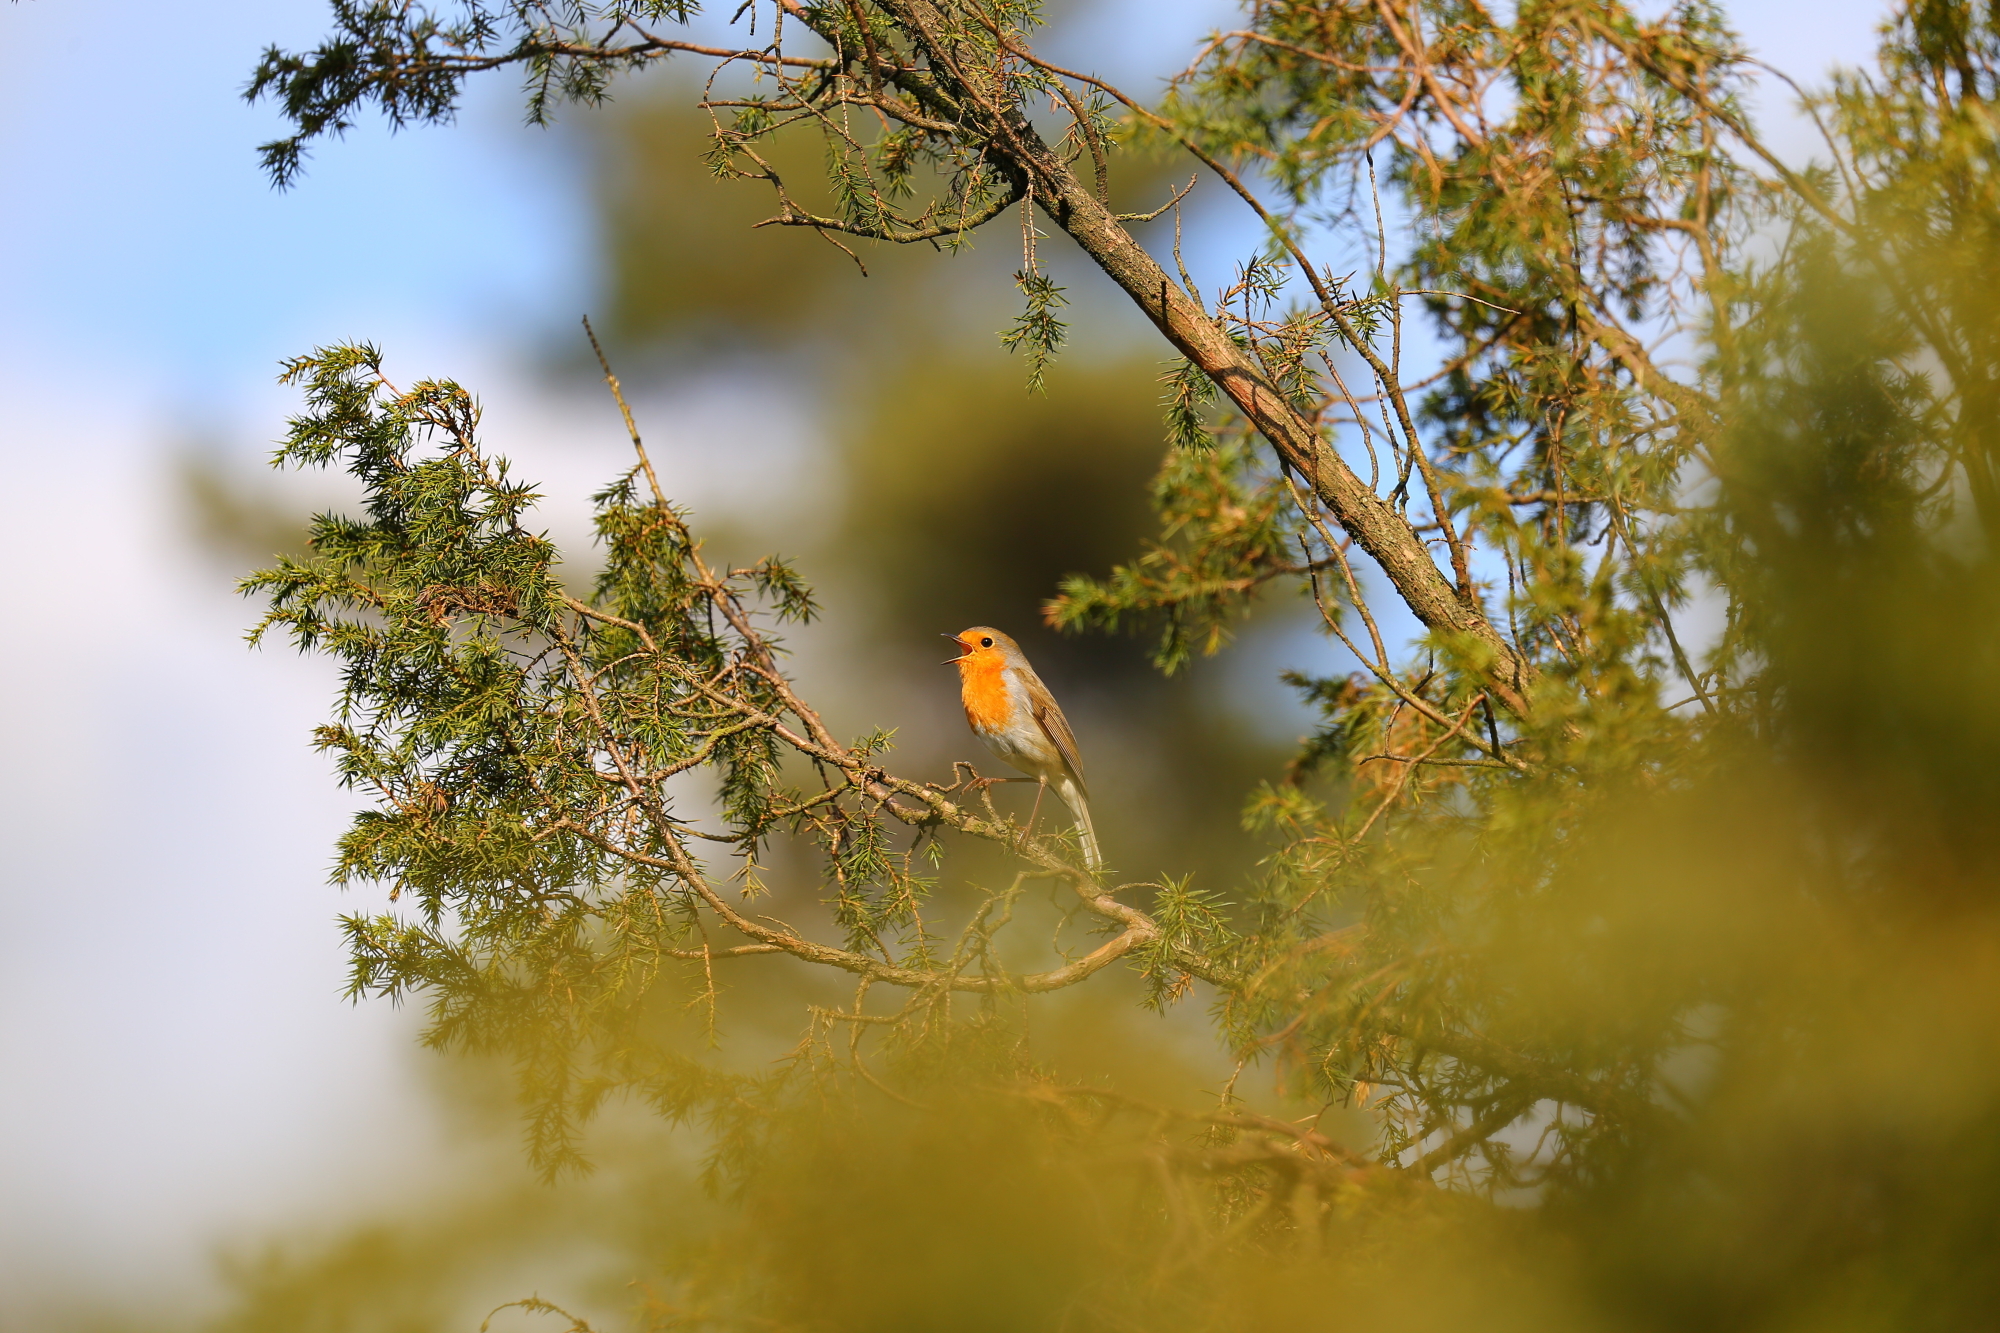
[(138, 227), (180, 1069)]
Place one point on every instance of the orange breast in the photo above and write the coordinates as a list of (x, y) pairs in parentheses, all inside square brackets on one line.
[(982, 679)]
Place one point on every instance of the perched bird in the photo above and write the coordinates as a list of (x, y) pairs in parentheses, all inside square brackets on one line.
[(1014, 713)]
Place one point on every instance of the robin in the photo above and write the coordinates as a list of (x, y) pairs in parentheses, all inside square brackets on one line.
[(1014, 713)]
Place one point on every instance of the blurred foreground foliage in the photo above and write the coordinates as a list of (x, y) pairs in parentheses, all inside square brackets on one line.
[(1609, 975)]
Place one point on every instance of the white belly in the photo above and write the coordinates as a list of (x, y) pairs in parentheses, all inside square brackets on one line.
[(1026, 748)]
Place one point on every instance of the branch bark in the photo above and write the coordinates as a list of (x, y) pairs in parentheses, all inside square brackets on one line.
[(1385, 535)]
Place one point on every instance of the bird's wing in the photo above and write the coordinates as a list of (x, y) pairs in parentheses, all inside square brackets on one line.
[(1055, 726)]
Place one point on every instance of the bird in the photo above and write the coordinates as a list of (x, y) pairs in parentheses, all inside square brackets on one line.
[(1011, 710)]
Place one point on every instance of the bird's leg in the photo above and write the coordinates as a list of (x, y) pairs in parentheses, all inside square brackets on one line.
[(1041, 786)]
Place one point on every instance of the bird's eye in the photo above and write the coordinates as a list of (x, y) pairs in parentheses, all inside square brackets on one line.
[(986, 643)]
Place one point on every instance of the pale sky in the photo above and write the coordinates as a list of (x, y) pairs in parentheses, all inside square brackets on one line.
[(178, 1068)]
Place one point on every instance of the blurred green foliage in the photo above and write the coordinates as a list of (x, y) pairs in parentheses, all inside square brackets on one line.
[(233, 515), (687, 263)]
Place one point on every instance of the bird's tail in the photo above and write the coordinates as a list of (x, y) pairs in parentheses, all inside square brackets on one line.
[(1072, 795)]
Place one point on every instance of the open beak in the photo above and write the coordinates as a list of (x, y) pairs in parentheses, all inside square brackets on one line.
[(950, 661)]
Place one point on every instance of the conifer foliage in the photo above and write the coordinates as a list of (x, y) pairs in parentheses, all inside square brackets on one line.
[(522, 747)]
